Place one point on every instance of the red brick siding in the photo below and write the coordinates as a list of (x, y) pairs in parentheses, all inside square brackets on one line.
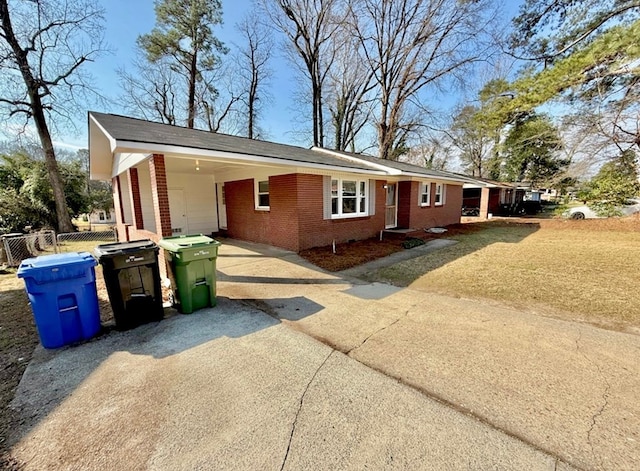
[(136, 202), (243, 221), (412, 215), (316, 231), (407, 199), (295, 220), (285, 202), (160, 195)]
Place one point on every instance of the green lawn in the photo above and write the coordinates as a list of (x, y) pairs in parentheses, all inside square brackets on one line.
[(585, 270)]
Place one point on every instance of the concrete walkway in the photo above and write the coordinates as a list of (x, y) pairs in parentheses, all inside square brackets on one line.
[(400, 379)]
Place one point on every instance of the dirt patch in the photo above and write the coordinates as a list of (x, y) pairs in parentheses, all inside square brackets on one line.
[(18, 338)]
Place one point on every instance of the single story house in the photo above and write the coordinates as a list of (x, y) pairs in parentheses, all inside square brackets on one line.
[(100, 216), (170, 180)]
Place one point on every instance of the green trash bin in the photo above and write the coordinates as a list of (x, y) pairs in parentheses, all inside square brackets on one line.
[(191, 266)]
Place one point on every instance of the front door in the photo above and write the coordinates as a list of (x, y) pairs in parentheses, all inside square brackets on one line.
[(178, 211), (391, 207), (222, 206)]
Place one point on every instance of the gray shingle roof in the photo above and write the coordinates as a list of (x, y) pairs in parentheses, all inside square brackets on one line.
[(123, 128)]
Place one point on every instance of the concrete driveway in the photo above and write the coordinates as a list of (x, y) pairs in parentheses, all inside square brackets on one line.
[(399, 380)]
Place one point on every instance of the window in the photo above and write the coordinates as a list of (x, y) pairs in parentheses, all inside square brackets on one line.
[(348, 198), (262, 195), (425, 194), (439, 196), (102, 216)]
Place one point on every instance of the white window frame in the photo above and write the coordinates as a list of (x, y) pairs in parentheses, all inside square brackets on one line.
[(361, 197), (427, 186), (440, 193), (258, 193)]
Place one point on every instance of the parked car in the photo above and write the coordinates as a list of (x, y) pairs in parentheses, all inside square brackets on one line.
[(585, 212)]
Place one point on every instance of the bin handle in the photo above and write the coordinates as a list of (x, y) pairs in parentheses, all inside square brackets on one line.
[(65, 309)]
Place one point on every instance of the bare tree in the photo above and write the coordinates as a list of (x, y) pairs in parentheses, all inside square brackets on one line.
[(410, 45), (43, 45), (432, 153), (310, 25), (219, 102), (253, 65), (151, 91), (349, 93)]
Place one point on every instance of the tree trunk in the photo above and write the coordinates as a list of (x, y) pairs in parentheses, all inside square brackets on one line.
[(253, 93), (191, 100), (37, 112)]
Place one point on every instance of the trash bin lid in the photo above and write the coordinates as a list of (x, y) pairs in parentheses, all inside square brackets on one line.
[(56, 267), (177, 243), (119, 248)]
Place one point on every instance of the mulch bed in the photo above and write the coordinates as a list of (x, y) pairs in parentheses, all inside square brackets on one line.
[(351, 254)]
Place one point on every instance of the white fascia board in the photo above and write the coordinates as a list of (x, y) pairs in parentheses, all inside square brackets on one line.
[(474, 185), (165, 149), (435, 177), (384, 168), (112, 141)]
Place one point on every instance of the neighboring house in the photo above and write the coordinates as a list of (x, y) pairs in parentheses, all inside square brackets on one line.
[(170, 180), (100, 216)]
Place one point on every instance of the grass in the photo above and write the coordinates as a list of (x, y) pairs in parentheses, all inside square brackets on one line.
[(579, 270)]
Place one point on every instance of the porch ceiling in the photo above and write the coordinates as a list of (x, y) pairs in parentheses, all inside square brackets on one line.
[(185, 164)]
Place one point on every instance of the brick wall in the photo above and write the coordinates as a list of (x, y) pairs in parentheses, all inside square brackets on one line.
[(160, 195), (136, 202), (316, 231), (412, 215), (295, 219), (243, 221)]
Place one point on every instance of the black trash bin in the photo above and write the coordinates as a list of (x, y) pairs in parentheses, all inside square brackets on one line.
[(132, 276)]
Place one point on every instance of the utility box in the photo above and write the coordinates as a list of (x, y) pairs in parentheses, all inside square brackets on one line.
[(191, 263), (62, 292), (132, 276)]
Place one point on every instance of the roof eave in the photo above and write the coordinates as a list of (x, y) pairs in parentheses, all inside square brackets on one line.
[(150, 148)]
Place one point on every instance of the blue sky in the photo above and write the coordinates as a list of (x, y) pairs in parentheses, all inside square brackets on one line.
[(125, 20)]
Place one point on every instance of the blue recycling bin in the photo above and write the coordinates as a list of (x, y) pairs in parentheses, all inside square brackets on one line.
[(63, 296)]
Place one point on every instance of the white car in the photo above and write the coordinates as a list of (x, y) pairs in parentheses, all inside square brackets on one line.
[(585, 212)]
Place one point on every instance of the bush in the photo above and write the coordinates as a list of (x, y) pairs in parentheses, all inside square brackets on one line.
[(412, 242)]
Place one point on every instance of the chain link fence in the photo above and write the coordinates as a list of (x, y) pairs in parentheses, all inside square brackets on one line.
[(85, 241), (14, 248)]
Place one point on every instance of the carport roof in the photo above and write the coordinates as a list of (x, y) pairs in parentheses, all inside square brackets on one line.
[(126, 134)]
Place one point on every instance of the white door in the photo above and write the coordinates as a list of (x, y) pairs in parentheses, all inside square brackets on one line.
[(391, 207), (222, 206), (178, 211)]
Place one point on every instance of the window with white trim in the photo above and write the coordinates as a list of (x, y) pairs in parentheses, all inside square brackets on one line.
[(439, 195), (349, 198), (102, 216), (425, 194), (262, 195)]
